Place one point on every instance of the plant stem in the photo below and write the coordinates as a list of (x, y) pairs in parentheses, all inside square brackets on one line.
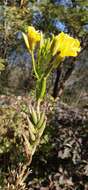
[(34, 68), (49, 69), (53, 65)]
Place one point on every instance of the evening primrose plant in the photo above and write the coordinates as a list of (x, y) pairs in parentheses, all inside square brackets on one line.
[(47, 54)]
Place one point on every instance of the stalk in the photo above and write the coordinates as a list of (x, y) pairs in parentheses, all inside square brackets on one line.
[(34, 68)]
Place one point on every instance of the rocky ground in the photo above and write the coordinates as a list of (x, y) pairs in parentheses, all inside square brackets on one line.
[(61, 162)]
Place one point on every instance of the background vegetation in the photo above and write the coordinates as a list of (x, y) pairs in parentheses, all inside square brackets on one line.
[(61, 161)]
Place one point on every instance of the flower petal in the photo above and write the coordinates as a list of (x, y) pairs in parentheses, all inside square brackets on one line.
[(26, 40), (66, 45)]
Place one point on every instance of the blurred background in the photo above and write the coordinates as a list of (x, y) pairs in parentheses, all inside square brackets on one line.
[(49, 16)]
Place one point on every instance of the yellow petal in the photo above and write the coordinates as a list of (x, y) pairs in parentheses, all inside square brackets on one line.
[(33, 37), (26, 40), (33, 34), (66, 45)]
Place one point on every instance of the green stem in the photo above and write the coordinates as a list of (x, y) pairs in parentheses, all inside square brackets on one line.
[(34, 68), (53, 65), (49, 69)]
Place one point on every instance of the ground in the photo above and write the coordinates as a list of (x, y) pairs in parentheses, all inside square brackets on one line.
[(61, 161)]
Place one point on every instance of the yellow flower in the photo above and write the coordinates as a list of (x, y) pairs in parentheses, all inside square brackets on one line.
[(31, 38), (65, 45)]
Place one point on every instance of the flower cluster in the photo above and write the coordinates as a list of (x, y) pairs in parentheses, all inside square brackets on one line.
[(62, 43), (50, 54)]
